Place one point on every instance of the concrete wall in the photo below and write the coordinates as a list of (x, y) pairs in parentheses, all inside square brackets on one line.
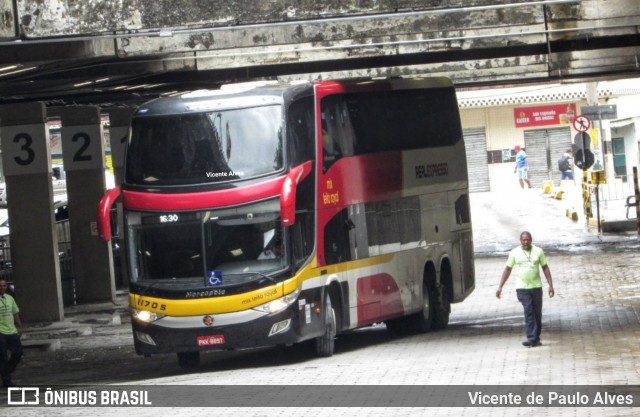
[(71, 17), (535, 39)]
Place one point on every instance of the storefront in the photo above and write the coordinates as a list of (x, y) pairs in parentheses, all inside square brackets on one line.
[(541, 120)]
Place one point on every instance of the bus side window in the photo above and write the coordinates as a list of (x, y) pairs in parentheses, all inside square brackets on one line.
[(302, 236), (463, 214), (301, 128), (336, 239), (330, 150), (303, 229), (338, 137)]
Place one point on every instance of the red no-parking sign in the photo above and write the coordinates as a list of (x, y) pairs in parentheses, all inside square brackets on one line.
[(581, 123)]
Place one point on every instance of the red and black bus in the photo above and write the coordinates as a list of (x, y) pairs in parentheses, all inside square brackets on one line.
[(271, 214)]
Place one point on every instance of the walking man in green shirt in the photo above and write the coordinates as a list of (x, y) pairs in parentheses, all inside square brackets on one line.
[(526, 260), (10, 332)]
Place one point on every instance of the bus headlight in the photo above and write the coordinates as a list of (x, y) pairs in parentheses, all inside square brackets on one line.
[(146, 316), (280, 304)]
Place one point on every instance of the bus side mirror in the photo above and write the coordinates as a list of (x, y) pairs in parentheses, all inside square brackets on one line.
[(288, 193), (104, 213), (288, 201)]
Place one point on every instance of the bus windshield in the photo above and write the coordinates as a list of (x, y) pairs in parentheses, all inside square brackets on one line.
[(205, 147), (217, 248)]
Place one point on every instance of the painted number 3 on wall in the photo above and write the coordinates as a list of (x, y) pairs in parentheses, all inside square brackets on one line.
[(29, 155)]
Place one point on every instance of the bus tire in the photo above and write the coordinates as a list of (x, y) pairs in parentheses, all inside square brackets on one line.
[(424, 318), (325, 344), (188, 360), (397, 326), (441, 307)]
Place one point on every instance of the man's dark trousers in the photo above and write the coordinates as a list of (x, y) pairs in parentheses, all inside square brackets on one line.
[(10, 355), (531, 300)]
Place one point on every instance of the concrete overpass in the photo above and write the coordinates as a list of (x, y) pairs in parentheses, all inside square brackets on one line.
[(108, 52)]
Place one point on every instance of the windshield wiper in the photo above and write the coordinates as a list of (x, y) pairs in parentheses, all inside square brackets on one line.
[(260, 274)]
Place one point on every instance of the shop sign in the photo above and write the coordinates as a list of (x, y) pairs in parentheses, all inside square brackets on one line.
[(553, 114)]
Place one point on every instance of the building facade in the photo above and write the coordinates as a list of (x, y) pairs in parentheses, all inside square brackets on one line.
[(542, 119)]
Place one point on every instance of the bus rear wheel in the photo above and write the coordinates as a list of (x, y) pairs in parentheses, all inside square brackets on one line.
[(188, 360), (397, 326), (441, 308), (424, 319), (325, 344)]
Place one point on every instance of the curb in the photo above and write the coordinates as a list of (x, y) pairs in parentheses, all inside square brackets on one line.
[(49, 337)]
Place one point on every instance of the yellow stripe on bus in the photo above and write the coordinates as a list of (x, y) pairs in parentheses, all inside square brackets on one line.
[(207, 305), (312, 271), (240, 302)]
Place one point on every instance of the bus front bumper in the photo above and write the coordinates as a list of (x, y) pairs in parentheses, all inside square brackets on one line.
[(213, 332)]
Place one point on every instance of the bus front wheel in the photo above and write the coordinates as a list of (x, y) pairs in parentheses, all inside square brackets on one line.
[(325, 344), (188, 360)]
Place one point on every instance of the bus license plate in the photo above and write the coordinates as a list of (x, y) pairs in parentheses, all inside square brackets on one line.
[(216, 339)]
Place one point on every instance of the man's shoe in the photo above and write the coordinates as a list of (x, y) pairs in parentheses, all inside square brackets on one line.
[(531, 344)]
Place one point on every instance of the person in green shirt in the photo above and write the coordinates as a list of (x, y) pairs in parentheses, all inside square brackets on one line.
[(10, 332), (526, 261)]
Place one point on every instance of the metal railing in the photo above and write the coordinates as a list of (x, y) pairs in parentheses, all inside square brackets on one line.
[(65, 259)]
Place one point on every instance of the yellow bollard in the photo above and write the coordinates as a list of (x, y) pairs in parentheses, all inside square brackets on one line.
[(572, 214)]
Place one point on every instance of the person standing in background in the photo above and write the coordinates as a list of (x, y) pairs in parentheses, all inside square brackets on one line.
[(10, 332), (565, 165), (521, 166)]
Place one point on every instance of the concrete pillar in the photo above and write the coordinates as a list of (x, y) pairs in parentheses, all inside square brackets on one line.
[(84, 162), (24, 140), (119, 119)]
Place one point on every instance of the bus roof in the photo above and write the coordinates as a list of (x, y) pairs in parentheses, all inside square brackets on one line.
[(261, 93), (229, 96)]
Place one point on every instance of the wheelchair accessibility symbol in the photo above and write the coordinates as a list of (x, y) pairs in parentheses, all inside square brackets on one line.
[(214, 278)]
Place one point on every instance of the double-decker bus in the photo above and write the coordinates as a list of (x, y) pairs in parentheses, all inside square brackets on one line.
[(271, 214)]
